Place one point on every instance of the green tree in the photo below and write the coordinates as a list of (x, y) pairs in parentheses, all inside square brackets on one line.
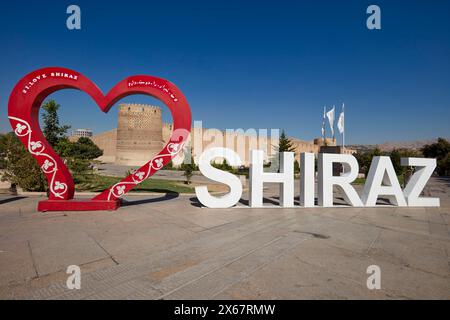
[(78, 155), (296, 166), (188, 172), (225, 165), (222, 166), (443, 167), (365, 159), (19, 166), (439, 150), (78, 167), (84, 148), (169, 166), (188, 168), (285, 144), (396, 156), (52, 130), (64, 148)]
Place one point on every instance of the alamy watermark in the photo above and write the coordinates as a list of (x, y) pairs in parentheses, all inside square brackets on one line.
[(374, 20), (73, 21), (239, 140), (374, 280), (74, 280)]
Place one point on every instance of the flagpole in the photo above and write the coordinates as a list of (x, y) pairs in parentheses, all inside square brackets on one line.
[(343, 134), (334, 117), (323, 126), (343, 131)]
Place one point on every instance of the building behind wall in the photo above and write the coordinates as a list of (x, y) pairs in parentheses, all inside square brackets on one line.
[(82, 133)]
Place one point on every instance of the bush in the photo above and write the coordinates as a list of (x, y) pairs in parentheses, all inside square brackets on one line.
[(443, 166), (365, 159), (84, 149), (439, 150), (396, 156), (296, 166), (20, 168), (78, 167)]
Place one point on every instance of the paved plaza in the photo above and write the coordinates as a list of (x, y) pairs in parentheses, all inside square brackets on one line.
[(169, 247)]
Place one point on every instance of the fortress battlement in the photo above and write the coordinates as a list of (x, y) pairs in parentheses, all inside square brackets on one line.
[(138, 107)]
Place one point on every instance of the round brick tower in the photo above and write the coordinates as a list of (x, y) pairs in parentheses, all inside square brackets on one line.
[(139, 134)]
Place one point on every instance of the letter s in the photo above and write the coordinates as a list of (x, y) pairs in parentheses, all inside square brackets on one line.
[(229, 199)]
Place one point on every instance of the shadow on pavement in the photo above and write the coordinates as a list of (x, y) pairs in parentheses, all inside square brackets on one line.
[(196, 203), (274, 200), (3, 201), (167, 196)]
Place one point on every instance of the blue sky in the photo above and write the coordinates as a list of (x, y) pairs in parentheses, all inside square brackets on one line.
[(248, 64)]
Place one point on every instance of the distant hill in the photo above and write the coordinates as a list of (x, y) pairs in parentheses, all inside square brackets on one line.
[(391, 145)]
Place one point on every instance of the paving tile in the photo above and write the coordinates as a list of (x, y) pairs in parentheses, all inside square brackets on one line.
[(410, 250), (16, 263), (174, 249)]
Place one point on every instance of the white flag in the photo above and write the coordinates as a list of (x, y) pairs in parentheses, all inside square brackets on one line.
[(330, 116), (340, 123)]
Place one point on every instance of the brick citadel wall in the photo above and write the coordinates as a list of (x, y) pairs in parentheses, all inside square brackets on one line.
[(141, 134)]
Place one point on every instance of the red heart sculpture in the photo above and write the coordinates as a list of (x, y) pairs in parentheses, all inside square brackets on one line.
[(23, 111)]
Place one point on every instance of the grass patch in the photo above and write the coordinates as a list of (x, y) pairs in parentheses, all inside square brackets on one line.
[(359, 181), (400, 178), (97, 183)]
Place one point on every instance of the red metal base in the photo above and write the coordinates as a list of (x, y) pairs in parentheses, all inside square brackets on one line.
[(78, 205)]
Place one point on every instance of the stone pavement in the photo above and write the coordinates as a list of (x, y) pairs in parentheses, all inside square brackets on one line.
[(169, 247)]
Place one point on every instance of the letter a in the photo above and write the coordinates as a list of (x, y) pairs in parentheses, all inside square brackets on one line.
[(374, 20), (74, 20), (374, 280), (74, 280)]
